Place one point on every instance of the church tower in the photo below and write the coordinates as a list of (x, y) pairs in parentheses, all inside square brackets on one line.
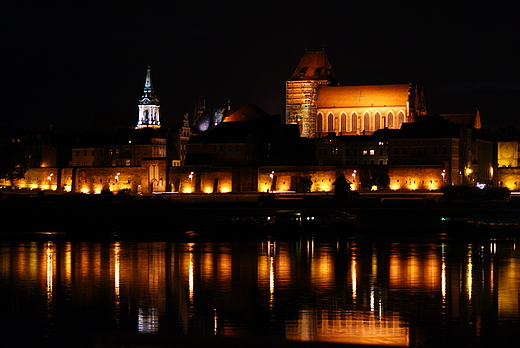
[(148, 106), (302, 91)]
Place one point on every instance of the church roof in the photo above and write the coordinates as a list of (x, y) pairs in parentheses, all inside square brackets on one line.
[(314, 65), (471, 120), (248, 112), (363, 96)]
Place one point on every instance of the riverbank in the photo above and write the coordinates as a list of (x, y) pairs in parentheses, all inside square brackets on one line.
[(172, 216)]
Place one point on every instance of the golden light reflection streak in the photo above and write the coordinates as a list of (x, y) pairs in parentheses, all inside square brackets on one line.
[(469, 274), (117, 274), (372, 280), (443, 276), (190, 274), (354, 277), (50, 254), (271, 251)]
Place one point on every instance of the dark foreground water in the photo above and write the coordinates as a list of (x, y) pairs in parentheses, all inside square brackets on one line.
[(416, 290)]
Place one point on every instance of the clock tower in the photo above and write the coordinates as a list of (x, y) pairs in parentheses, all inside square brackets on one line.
[(148, 106)]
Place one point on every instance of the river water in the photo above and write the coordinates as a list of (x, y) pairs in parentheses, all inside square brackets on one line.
[(430, 290)]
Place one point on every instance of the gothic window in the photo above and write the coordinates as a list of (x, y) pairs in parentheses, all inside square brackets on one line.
[(366, 122), (354, 122), (400, 120), (343, 123), (390, 120), (319, 123), (377, 121), (330, 123)]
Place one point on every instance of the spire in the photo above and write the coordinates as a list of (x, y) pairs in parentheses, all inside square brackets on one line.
[(148, 93), (148, 105)]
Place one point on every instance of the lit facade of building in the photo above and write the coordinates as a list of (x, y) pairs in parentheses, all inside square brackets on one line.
[(316, 102), (148, 105)]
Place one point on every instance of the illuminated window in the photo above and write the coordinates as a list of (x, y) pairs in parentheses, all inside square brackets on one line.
[(330, 123), (366, 122), (343, 123), (377, 121), (365, 152), (372, 152), (401, 119), (354, 122), (390, 120)]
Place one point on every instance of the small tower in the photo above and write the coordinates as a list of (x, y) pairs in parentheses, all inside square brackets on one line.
[(148, 106)]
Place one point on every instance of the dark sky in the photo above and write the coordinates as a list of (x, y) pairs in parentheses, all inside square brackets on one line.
[(77, 63)]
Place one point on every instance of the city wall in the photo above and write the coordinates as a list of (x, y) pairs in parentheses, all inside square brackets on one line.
[(156, 176)]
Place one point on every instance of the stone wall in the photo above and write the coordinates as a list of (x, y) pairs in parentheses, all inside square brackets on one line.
[(424, 177)]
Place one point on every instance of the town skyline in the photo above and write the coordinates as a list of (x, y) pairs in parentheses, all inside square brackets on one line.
[(81, 64)]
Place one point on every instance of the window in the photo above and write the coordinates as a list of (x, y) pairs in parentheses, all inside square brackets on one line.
[(355, 151), (117, 151), (334, 151), (230, 148), (343, 123), (77, 153), (404, 150), (377, 121), (381, 151), (354, 122), (84, 153), (396, 150), (435, 150), (319, 123), (401, 119), (366, 122), (330, 123), (444, 150), (390, 120), (93, 153), (237, 148), (372, 152)]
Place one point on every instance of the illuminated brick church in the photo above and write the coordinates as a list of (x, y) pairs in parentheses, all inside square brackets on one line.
[(319, 105)]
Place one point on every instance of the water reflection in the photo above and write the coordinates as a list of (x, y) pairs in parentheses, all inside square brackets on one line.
[(359, 291)]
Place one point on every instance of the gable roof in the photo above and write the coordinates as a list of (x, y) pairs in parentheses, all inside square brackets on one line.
[(248, 112), (470, 120), (314, 65), (363, 96)]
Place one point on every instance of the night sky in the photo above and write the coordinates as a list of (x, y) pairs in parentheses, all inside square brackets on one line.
[(77, 63)]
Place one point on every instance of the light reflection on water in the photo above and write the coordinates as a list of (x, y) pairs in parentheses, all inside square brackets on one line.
[(358, 290)]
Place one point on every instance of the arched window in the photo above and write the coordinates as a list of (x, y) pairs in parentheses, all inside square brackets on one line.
[(354, 122), (390, 120), (330, 123), (343, 123), (366, 122), (319, 123), (377, 121), (400, 119)]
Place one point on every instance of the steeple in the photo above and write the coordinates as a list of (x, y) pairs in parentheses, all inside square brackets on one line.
[(149, 93), (148, 105)]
